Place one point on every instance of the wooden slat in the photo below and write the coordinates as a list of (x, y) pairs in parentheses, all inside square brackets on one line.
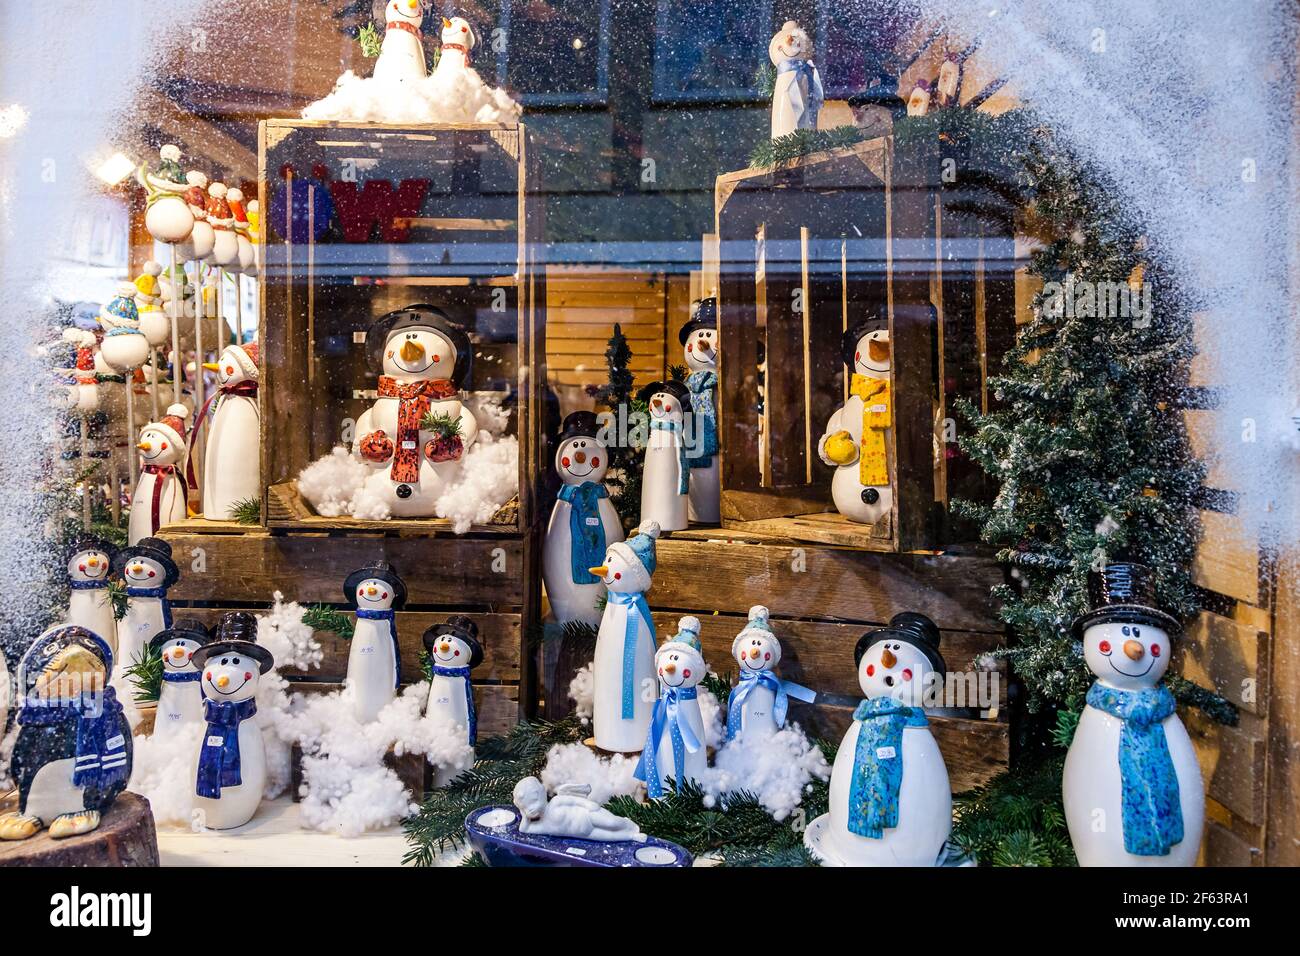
[(1227, 561), (1220, 653), (559, 333), (819, 583), (1225, 848), (1232, 762), (1203, 372), (1203, 436), (625, 315), (496, 705), (596, 299)]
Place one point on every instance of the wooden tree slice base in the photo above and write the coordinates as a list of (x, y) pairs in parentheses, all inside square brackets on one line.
[(124, 837)]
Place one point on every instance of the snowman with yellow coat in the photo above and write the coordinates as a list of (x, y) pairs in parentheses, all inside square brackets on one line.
[(856, 439)]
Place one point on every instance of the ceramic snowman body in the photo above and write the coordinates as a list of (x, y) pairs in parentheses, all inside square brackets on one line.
[(623, 670), (155, 324), (89, 605), (232, 466), (401, 55), (147, 570), (665, 476), (1132, 787), (700, 340), (424, 358), (374, 663), (890, 799), (225, 244), (160, 493), (6, 689), (124, 346), (167, 217), (797, 97), (458, 40), (83, 387), (231, 771), (675, 747), (918, 104), (454, 651), (856, 442), (583, 523), (180, 701), (759, 701), (246, 262), (202, 238)]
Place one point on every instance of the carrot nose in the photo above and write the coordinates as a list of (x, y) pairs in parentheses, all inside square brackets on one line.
[(145, 446), (670, 668), (1134, 650), (443, 648), (657, 403), (223, 681), (580, 457), (600, 571), (178, 652), (412, 351), (212, 366), (446, 24), (753, 653), (887, 658), (93, 562), (878, 349), (371, 592)]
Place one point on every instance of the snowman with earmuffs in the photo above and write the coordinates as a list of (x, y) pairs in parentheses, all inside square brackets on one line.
[(856, 440), (418, 431), (890, 798), (700, 340), (454, 651), (583, 522), (1132, 786)]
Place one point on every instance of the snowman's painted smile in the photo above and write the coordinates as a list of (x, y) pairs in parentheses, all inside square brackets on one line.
[(579, 474), (151, 457), (167, 662), (144, 574), (761, 665), (416, 371), (225, 693), (449, 658), (1151, 662)]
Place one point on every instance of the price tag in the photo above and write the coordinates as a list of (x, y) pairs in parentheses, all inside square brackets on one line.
[(885, 753), (593, 522), (878, 408), (408, 445), (112, 743), (215, 741)]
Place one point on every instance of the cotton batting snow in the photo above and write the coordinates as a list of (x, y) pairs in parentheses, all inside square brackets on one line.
[(577, 763), (331, 483), (776, 768), (446, 96), (582, 691)]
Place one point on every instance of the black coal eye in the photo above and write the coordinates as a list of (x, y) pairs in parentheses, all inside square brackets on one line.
[(234, 660), (225, 660), (1137, 632), (1125, 630)]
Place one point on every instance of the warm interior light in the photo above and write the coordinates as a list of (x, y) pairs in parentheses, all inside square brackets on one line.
[(114, 169), (12, 118)]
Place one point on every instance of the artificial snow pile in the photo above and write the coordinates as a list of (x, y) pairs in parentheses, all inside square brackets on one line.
[(778, 769), (488, 478), (446, 96), (582, 691), (608, 777)]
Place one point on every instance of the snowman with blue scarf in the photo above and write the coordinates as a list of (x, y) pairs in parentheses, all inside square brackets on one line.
[(624, 682), (1132, 786), (666, 470), (700, 341), (890, 800), (797, 94), (674, 747), (454, 651), (760, 700), (377, 592)]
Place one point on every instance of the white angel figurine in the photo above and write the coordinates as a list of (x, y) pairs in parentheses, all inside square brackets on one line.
[(569, 814)]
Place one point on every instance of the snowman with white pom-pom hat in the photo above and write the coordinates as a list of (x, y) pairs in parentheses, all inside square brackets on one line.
[(623, 670), (797, 96), (674, 746), (890, 799), (1132, 787), (759, 702), (160, 493)]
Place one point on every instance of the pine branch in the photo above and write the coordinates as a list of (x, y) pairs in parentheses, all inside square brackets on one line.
[(247, 511), (770, 153), (320, 617), (441, 424), (146, 672)]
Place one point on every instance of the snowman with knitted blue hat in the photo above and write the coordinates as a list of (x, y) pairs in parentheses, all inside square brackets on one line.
[(625, 687), (674, 747), (759, 702), (1132, 786)]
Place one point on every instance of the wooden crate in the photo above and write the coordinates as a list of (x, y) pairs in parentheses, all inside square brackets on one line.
[(805, 250)]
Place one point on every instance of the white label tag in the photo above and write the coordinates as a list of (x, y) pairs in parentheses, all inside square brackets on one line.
[(575, 850), (112, 743), (408, 444), (878, 408), (215, 741), (593, 522), (370, 649), (443, 700), (885, 753)]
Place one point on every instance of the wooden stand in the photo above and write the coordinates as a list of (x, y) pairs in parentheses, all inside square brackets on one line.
[(124, 837)]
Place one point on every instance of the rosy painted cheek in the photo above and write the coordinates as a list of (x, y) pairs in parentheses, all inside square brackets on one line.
[(690, 346), (595, 463), (81, 567), (857, 356), (1155, 650), (437, 358), (668, 408), (1104, 647), (686, 673), (153, 574), (618, 576), (248, 675), (871, 670), (564, 462), (907, 673), (767, 656), (384, 596), (456, 654), (230, 370), (208, 676), (164, 446)]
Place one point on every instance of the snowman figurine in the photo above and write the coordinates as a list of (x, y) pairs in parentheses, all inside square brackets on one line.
[(231, 771), (700, 341), (625, 688), (759, 702), (374, 658), (148, 570), (83, 386), (155, 324), (583, 523), (232, 466), (797, 97), (167, 217), (890, 800), (89, 605), (1132, 786), (202, 237), (666, 473), (674, 747), (856, 437), (401, 55), (424, 360), (180, 700), (454, 651), (124, 347), (160, 493)]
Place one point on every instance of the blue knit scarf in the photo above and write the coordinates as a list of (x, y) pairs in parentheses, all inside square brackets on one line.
[(1153, 813), (636, 604), (878, 764), (705, 445), (585, 528), (462, 672), (87, 585), (391, 618), (783, 690), (180, 677), (219, 757), (101, 759), (683, 467), (667, 716)]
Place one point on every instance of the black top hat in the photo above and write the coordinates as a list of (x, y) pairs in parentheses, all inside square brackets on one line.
[(237, 648), (883, 91), (90, 542), (1124, 592), (155, 549), (420, 317), (579, 425), (461, 627), (914, 628), (185, 628), (682, 393), (849, 342), (380, 570), (704, 315)]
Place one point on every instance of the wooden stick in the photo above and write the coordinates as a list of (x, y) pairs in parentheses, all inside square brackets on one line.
[(200, 385), (133, 457), (153, 385), (84, 426), (178, 301), (115, 493)]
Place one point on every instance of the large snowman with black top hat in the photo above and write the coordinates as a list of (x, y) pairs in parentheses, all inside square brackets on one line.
[(89, 604), (856, 442), (231, 771), (179, 701), (583, 522), (1132, 787), (148, 571), (374, 659), (454, 651), (666, 471), (416, 434), (890, 800), (700, 341)]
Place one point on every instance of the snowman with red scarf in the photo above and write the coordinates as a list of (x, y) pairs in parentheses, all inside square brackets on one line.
[(401, 56), (416, 434)]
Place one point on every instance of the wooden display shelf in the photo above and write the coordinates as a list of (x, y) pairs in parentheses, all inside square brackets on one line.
[(828, 527), (199, 525), (288, 510)]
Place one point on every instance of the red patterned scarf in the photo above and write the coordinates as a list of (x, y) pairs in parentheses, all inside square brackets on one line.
[(414, 399)]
